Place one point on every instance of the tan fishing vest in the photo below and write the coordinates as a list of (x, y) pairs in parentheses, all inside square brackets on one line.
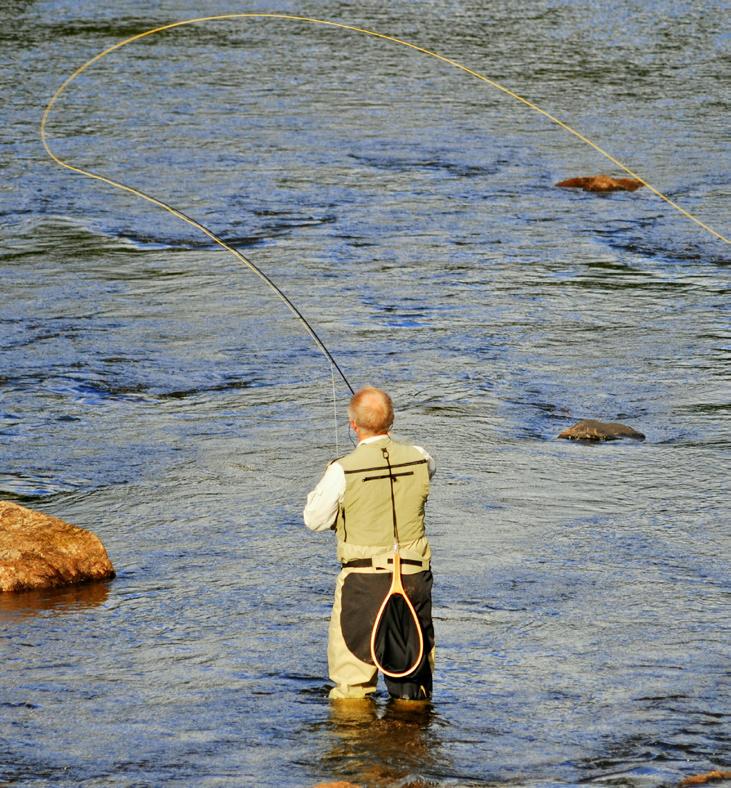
[(365, 517)]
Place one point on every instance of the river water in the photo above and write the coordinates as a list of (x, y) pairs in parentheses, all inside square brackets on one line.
[(155, 391)]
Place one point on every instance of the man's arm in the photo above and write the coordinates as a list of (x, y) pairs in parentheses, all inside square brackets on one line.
[(431, 464), (323, 502)]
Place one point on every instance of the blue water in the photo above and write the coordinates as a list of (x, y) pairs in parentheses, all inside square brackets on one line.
[(155, 391)]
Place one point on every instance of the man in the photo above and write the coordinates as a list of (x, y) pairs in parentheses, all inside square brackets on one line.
[(372, 497)]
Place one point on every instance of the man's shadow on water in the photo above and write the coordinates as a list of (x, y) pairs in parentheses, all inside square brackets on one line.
[(374, 743)]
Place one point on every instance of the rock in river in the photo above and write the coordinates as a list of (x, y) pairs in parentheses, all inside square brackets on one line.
[(591, 430), (39, 551), (601, 183)]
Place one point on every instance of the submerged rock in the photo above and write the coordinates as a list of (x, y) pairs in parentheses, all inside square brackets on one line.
[(39, 551), (700, 779), (592, 430), (601, 183)]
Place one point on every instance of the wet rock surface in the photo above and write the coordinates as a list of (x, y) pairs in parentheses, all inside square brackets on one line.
[(39, 551), (700, 779), (592, 430), (601, 183)]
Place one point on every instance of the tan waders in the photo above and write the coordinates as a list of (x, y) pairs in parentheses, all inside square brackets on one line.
[(358, 596)]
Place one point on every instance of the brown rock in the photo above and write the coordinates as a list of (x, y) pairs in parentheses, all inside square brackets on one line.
[(340, 784), (591, 430), (38, 551), (601, 183), (700, 779)]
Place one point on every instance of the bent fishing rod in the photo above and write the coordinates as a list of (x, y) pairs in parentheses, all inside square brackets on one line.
[(189, 220), (343, 27)]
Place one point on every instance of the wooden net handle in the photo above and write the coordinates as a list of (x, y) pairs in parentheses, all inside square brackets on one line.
[(397, 589)]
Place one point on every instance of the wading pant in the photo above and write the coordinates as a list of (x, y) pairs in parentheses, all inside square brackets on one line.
[(358, 597)]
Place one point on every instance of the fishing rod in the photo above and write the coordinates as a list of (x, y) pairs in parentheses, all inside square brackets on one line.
[(206, 231)]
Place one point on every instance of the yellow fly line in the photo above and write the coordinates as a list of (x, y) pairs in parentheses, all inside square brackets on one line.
[(341, 26)]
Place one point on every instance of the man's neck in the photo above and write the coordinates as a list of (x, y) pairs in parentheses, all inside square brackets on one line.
[(370, 437)]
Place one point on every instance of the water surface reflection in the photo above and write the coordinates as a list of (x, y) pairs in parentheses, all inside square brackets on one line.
[(24, 604), (372, 744)]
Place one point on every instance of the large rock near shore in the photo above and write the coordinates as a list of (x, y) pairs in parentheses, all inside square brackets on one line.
[(591, 430), (39, 551)]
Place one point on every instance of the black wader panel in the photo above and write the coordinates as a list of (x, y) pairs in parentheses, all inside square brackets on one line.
[(362, 596)]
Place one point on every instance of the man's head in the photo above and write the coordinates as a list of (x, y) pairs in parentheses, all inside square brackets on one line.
[(370, 412)]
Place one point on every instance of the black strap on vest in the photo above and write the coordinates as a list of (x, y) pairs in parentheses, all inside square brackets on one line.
[(391, 479), (388, 476), (387, 467)]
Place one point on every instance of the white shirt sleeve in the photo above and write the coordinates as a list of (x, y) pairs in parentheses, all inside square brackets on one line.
[(324, 501), (431, 464)]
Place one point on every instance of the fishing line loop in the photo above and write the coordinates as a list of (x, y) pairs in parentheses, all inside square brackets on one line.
[(235, 252), (342, 26)]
